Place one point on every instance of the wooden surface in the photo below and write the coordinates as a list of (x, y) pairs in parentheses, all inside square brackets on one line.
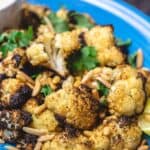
[(144, 5)]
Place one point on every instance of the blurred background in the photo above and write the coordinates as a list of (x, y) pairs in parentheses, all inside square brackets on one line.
[(144, 5)]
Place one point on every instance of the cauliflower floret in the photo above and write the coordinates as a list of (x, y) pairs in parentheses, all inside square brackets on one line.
[(126, 96), (45, 120), (30, 105), (11, 123), (113, 136), (45, 36), (68, 42), (8, 88), (36, 54), (63, 142), (76, 105), (124, 72), (123, 137), (110, 57), (10, 85), (14, 93), (101, 37), (100, 141), (52, 50), (15, 59)]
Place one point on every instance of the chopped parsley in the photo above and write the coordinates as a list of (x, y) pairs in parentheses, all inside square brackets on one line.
[(79, 19), (59, 24), (132, 60), (15, 39), (34, 76), (102, 89), (85, 59), (121, 43), (46, 90)]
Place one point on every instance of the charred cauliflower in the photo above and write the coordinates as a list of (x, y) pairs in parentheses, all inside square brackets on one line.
[(11, 123), (14, 93), (76, 105), (126, 96)]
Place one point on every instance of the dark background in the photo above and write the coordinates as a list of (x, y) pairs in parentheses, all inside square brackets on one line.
[(144, 5)]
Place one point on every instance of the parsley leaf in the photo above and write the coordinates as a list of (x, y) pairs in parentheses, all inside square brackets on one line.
[(59, 24), (34, 76), (80, 19), (14, 39), (132, 60), (46, 90), (126, 43), (85, 59), (102, 89)]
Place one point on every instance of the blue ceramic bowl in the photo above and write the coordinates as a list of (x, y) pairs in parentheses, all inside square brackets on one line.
[(128, 22)]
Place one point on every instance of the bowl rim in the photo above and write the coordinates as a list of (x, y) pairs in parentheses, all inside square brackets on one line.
[(121, 9), (4, 5)]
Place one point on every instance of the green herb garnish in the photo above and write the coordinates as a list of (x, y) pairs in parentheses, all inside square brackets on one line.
[(46, 90), (132, 60), (84, 60), (15, 39), (80, 20), (34, 76), (59, 24), (102, 89), (126, 43)]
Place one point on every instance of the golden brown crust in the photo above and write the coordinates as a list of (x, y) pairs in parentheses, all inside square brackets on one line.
[(76, 105)]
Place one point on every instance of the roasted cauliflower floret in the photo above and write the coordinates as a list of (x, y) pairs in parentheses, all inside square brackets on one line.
[(98, 140), (45, 36), (123, 137), (113, 136), (124, 72), (14, 93), (76, 105), (127, 95), (63, 142), (36, 54), (30, 105), (45, 120), (11, 123), (68, 42), (15, 59), (110, 57), (101, 37), (14, 119)]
